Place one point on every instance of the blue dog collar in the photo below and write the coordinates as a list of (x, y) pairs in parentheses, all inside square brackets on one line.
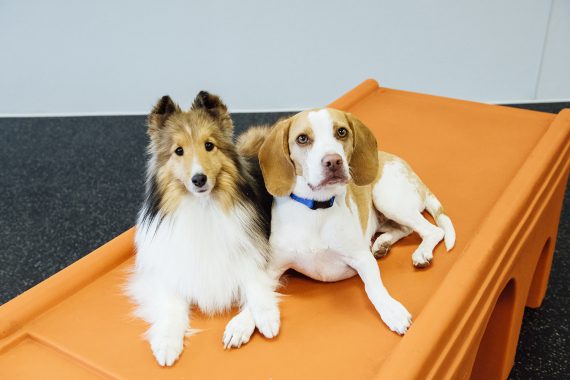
[(313, 204)]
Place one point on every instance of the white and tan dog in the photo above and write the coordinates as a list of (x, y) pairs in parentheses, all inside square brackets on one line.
[(333, 192)]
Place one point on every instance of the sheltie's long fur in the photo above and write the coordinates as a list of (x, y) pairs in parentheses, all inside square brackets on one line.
[(202, 233)]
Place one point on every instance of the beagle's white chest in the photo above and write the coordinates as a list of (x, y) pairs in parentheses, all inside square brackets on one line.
[(317, 243)]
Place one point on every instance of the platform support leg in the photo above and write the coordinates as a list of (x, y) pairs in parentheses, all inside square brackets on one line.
[(541, 275), (492, 360)]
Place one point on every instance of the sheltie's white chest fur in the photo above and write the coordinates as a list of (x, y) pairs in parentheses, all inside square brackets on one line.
[(200, 252)]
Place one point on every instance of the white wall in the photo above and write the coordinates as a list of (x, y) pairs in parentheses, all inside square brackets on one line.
[(113, 56), (554, 80)]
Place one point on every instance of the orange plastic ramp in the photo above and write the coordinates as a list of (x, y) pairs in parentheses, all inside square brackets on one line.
[(500, 174)]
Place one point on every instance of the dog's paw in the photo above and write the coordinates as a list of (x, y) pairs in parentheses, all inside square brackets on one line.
[(167, 350), (395, 316), (422, 258), (267, 322), (238, 330), (381, 249)]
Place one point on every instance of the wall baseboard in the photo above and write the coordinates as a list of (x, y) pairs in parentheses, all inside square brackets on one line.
[(529, 101), (242, 111)]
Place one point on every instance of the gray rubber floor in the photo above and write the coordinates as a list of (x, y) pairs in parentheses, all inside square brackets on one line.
[(68, 185)]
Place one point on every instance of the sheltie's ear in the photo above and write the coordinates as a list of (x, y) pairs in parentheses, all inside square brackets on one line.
[(162, 110), (214, 106)]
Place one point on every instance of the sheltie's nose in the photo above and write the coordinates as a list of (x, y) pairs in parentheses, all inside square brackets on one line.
[(199, 180)]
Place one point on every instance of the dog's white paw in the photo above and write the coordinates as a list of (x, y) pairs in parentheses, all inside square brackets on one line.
[(395, 316), (267, 322), (381, 247), (167, 350), (421, 258), (238, 330)]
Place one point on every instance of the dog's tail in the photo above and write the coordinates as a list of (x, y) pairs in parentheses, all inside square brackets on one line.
[(434, 207), (249, 142)]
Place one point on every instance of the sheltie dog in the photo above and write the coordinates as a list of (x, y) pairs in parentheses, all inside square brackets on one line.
[(202, 233)]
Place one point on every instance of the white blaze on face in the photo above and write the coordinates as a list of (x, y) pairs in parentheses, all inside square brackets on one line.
[(324, 143), (197, 169)]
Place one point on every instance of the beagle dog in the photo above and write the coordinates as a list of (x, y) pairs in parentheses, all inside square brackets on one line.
[(333, 192)]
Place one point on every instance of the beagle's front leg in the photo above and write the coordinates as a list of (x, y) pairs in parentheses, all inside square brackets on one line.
[(393, 313)]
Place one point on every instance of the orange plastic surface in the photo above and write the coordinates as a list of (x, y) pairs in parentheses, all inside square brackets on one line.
[(500, 174)]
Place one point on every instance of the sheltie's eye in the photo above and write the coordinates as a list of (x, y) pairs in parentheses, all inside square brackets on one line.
[(209, 146), (179, 151)]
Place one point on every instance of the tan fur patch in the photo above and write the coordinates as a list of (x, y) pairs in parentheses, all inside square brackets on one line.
[(421, 188), (226, 184), (383, 158), (249, 142), (300, 126), (438, 212), (362, 197), (275, 160), (172, 190)]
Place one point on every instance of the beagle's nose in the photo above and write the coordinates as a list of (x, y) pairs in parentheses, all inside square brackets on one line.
[(332, 162), (199, 179)]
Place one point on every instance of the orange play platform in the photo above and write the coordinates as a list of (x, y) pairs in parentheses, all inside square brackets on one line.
[(500, 174)]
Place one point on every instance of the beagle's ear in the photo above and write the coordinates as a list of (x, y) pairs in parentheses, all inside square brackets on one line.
[(364, 160), (215, 107), (275, 161), (161, 111)]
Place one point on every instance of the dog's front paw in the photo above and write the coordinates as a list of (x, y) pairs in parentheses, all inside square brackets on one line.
[(268, 321), (395, 316), (167, 350), (238, 330)]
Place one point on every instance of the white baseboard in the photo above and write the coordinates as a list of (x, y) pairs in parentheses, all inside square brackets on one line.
[(528, 101), (246, 110)]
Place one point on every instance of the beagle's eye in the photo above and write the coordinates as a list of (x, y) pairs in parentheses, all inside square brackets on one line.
[(341, 132), (302, 139), (208, 146), (179, 151)]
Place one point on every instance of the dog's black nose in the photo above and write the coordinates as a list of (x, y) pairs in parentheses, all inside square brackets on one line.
[(199, 180), (332, 162)]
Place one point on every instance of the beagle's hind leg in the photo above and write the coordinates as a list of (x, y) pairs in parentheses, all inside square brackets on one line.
[(391, 232), (400, 196), (431, 235)]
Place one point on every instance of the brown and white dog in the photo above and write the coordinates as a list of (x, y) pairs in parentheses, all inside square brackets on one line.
[(202, 233), (333, 193)]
